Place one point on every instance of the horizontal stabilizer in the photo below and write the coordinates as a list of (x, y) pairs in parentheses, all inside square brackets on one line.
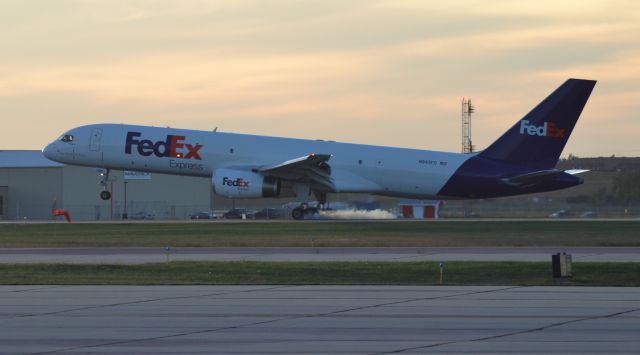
[(576, 171), (533, 178)]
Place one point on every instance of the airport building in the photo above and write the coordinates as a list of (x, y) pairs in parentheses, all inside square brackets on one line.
[(31, 186), (420, 209)]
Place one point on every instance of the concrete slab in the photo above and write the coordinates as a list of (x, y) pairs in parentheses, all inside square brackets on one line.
[(317, 319)]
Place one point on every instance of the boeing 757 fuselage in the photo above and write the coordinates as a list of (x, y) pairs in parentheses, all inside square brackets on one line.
[(521, 161)]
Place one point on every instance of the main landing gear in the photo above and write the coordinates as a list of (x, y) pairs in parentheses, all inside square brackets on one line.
[(304, 211), (104, 194)]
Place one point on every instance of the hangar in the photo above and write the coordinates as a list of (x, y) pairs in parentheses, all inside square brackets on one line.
[(31, 185)]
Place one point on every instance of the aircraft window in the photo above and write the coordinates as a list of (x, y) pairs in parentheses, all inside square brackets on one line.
[(67, 138)]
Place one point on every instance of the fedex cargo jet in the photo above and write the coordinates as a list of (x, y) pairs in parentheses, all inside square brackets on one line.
[(521, 161)]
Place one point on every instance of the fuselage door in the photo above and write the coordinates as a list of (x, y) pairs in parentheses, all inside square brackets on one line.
[(96, 137)]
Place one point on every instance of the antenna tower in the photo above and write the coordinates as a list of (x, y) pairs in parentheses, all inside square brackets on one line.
[(467, 110)]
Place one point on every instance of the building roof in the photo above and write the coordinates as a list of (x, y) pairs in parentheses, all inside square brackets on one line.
[(25, 159)]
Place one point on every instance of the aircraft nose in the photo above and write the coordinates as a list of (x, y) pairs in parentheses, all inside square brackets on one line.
[(48, 151)]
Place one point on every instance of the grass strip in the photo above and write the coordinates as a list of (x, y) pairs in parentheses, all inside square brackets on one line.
[(317, 273), (324, 234)]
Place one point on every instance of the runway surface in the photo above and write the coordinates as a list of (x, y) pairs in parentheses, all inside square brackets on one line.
[(144, 255), (317, 319)]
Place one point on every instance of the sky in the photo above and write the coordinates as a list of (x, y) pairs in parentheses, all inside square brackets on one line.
[(390, 72)]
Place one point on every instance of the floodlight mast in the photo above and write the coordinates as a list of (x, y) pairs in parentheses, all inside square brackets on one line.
[(467, 109)]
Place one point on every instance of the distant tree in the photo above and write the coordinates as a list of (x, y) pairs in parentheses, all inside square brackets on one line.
[(578, 199), (601, 195), (626, 187)]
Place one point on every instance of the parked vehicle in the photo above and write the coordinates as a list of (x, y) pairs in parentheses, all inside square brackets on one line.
[(589, 214), (559, 214), (237, 213), (202, 215)]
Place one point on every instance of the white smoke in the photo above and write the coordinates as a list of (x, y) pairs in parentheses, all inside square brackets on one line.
[(356, 214)]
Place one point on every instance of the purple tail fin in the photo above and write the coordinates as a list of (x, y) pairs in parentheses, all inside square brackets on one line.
[(537, 140)]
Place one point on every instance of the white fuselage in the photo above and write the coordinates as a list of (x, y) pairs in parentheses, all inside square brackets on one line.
[(358, 168), (521, 161)]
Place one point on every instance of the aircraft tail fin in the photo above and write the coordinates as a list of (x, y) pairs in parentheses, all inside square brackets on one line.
[(537, 140)]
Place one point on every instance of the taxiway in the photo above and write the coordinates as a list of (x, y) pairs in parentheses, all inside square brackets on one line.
[(145, 255)]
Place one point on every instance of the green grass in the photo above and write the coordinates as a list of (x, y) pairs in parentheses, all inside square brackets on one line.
[(317, 273), (324, 234)]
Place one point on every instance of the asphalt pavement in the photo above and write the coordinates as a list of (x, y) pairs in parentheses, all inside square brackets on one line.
[(395, 254)]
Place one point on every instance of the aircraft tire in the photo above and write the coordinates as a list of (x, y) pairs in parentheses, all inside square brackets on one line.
[(297, 213), (312, 213), (105, 195)]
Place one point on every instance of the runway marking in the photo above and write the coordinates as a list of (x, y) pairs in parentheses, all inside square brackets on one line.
[(271, 320)]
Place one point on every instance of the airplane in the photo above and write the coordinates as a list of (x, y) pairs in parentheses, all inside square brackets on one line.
[(521, 161)]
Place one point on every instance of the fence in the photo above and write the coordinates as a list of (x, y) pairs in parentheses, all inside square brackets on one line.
[(161, 210)]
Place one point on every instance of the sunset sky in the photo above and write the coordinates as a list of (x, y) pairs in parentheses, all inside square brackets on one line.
[(376, 72)]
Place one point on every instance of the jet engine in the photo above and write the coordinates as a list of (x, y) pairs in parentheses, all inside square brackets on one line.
[(244, 184)]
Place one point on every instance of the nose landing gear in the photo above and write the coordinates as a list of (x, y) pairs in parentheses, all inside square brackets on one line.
[(104, 194)]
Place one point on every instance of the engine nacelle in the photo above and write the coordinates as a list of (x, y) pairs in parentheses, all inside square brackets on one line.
[(244, 184)]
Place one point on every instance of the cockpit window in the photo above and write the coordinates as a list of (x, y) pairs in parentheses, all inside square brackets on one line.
[(66, 138)]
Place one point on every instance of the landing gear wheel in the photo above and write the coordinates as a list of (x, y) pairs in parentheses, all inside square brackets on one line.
[(297, 213), (104, 174), (312, 213)]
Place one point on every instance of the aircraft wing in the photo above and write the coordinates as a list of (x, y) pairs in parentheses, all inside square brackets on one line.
[(310, 168)]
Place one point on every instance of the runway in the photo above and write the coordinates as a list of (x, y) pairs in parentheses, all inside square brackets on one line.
[(317, 319), (145, 255)]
